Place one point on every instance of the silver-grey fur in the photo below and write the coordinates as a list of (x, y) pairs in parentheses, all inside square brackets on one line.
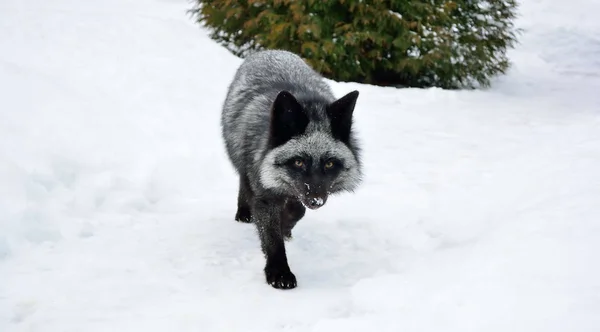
[(278, 108)]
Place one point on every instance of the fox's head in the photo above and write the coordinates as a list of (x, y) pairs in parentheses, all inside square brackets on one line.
[(311, 152)]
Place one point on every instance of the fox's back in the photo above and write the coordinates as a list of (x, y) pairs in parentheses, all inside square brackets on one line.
[(273, 69)]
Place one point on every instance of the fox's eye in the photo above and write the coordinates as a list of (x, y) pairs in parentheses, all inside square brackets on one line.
[(329, 165), (298, 163)]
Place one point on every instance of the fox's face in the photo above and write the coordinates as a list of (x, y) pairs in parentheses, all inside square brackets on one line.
[(310, 157)]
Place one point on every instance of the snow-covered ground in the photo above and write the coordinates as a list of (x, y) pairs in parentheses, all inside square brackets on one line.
[(480, 210)]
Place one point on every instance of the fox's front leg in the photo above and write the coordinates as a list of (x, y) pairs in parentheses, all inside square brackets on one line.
[(245, 197), (268, 211)]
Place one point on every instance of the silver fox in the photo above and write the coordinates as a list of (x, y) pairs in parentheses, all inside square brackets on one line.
[(291, 142)]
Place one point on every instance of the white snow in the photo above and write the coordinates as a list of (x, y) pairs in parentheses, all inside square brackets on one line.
[(480, 210)]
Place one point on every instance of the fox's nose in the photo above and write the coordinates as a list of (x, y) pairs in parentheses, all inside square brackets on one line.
[(315, 202)]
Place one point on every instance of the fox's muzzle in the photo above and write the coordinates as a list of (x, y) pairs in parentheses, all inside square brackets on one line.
[(314, 202)]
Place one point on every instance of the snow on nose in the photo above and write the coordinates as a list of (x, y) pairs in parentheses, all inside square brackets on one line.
[(316, 202)]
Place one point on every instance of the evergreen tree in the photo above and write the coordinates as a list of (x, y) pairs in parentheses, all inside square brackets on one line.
[(417, 43)]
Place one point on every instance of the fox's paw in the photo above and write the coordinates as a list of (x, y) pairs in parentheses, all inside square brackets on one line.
[(243, 215), (280, 279)]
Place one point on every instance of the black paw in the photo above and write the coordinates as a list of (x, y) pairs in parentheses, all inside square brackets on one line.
[(243, 215), (280, 279)]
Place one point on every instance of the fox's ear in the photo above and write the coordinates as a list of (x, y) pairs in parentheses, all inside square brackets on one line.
[(288, 119), (340, 113)]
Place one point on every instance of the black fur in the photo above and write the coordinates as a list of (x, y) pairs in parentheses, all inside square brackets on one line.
[(245, 197), (340, 113), (288, 119), (269, 209)]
